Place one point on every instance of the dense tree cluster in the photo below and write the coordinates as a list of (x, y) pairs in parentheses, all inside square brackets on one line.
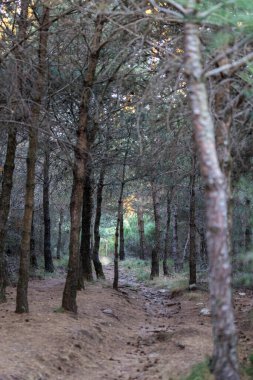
[(122, 112)]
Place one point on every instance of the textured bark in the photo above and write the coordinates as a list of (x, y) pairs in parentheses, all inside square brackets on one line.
[(121, 235), (225, 362), (59, 240), (167, 237), (156, 251), (5, 197), (7, 180), (21, 300), (48, 259), (223, 118), (192, 256), (85, 270), (79, 172), (119, 216), (97, 263), (33, 257), (141, 232), (248, 232), (178, 265)]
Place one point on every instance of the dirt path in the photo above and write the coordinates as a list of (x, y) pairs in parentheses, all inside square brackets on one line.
[(138, 333)]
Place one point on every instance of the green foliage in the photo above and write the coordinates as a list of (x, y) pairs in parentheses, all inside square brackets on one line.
[(200, 371), (59, 310), (248, 369)]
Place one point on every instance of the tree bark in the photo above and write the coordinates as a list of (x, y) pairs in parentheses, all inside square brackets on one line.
[(192, 256), (119, 216), (21, 300), (248, 232), (59, 240), (85, 270), (225, 362), (5, 197), (167, 237), (33, 257), (79, 172), (96, 261), (175, 252), (156, 251), (48, 260), (7, 180), (141, 232), (121, 235)]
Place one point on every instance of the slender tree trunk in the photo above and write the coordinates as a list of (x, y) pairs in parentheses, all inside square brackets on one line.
[(141, 232), (79, 172), (119, 216), (7, 180), (97, 263), (5, 197), (121, 235), (85, 270), (225, 362), (33, 257), (48, 260), (59, 240), (167, 237), (192, 256), (248, 232), (175, 251), (156, 251), (22, 301)]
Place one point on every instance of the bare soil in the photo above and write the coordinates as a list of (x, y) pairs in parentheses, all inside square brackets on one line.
[(138, 333)]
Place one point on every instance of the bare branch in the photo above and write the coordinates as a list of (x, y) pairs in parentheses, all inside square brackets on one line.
[(176, 15), (230, 66)]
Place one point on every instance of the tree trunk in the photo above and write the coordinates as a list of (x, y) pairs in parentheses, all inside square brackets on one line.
[(85, 270), (156, 251), (7, 180), (167, 237), (5, 197), (225, 362), (97, 263), (175, 252), (48, 260), (248, 233), (59, 240), (192, 256), (141, 232), (79, 172), (119, 216), (33, 257), (121, 235), (22, 301)]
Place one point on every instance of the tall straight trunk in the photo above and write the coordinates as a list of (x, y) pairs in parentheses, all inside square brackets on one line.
[(119, 216), (156, 251), (175, 250), (59, 240), (141, 232), (225, 361), (121, 235), (167, 237), (7, 180), (79, 172), (21, 300), (192, 256), (33, 257), (85, 270), (5, 197), (96, 261), (48, 259), (248, 232)]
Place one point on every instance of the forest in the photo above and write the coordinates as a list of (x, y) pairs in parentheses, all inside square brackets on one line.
[(126, 215)]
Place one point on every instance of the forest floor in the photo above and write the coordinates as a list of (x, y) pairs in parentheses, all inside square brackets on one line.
[(140, 332)]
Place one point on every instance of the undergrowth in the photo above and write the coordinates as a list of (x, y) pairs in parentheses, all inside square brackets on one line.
[(200, 371)]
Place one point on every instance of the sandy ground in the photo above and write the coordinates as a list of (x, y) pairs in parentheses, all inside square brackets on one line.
[(138, 333)]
